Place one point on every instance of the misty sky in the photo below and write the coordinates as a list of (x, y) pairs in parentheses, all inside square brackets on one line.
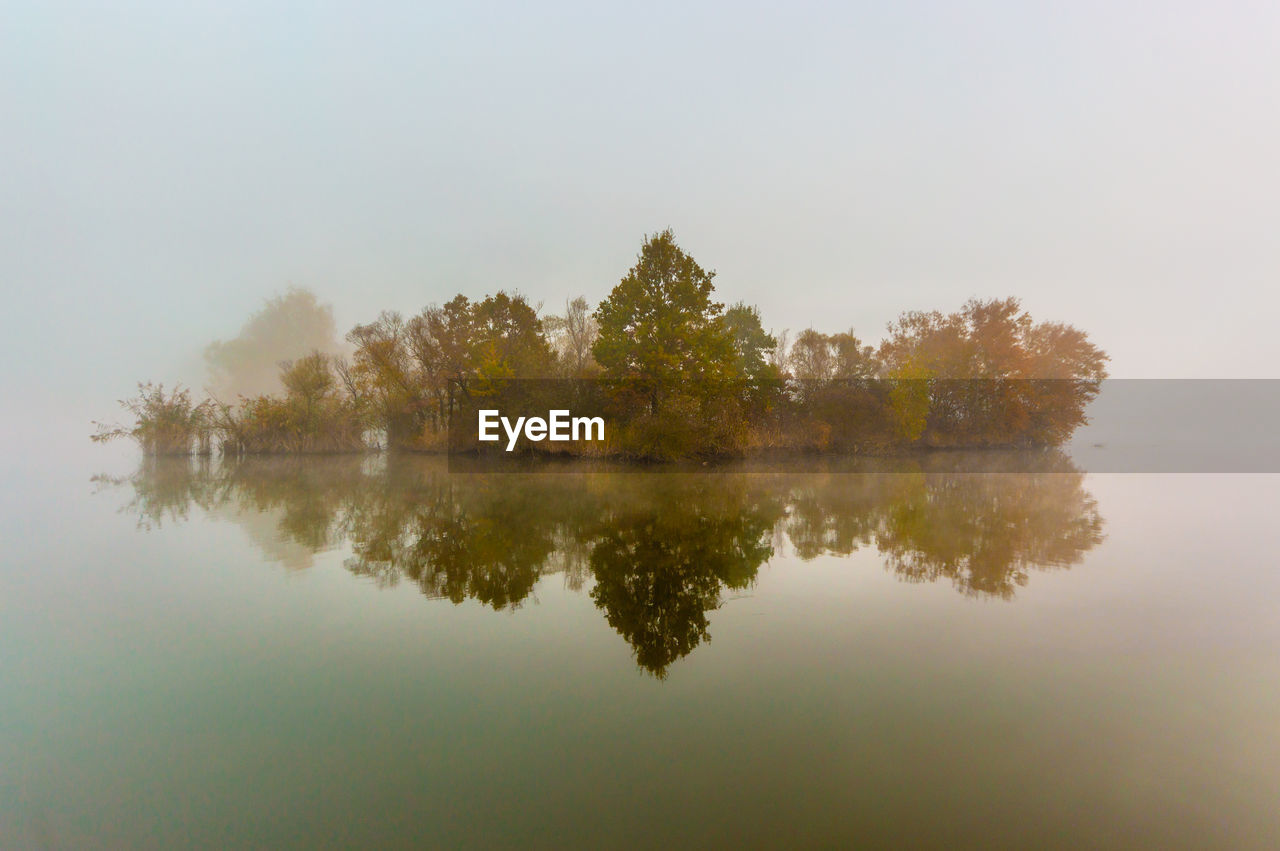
[(167, 166)]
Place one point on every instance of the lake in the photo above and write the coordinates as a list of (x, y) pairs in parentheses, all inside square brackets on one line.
[(358, 652)]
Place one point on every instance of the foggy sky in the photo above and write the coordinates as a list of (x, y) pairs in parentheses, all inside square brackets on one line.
[(165, 167)]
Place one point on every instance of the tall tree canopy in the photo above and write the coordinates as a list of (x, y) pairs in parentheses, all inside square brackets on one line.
[(660, 325)]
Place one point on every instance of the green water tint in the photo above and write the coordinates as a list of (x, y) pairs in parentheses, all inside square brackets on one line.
[(373, 652)]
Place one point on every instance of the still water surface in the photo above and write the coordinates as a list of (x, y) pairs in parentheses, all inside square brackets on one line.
[(357, 652)]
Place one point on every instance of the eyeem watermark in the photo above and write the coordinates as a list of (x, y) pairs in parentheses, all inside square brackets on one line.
[(558, 427)]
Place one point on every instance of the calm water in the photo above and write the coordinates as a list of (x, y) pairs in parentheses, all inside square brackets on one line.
[(351, 652)]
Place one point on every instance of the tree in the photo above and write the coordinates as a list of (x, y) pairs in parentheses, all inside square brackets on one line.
[(837, 405), (811, 358), (385, 376), (507, 339), (995, 376), (287, 326), (660, 328), (572, 336), (753, 346), (819, 357), (164, 423), (410, 366), (308, 380)]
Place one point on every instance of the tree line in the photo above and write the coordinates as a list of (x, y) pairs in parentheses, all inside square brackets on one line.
[(680, 375)]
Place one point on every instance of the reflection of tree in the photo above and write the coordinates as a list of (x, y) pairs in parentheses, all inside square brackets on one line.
[(483, 540), (837, 514), (165, 488), (312, 500), (660, 566), (659, 550), (983, 532)]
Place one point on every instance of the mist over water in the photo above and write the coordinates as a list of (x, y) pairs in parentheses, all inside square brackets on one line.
[(374, 650), (1093, 649)]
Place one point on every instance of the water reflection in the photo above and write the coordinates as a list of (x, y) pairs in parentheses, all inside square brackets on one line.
[(659, 552)]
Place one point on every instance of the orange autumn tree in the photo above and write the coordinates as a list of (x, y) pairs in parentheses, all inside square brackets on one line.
[(995, 377)]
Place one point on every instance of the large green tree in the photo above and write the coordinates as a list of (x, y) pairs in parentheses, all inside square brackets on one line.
[(661, 328), (671, 358)]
